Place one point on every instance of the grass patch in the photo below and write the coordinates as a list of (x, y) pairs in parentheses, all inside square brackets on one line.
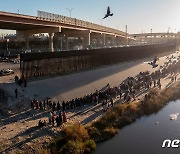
[(75, 140)]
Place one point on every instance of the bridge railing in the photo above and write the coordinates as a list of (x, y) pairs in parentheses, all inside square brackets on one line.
[(77, 22)]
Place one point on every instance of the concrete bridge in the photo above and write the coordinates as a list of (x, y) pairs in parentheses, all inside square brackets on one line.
[(154, 35), (58, 26), (154, 38)]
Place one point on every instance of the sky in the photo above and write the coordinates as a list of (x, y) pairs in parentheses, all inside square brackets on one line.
[(139, 15)]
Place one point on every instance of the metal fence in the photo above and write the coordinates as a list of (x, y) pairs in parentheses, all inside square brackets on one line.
[(45, 64)]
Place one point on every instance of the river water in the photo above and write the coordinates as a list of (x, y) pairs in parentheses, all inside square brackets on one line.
[(146, 135)]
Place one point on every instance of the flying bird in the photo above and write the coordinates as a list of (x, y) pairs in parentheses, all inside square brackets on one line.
[(153, 63), (108, 13)]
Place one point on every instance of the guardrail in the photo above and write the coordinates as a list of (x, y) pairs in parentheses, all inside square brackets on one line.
[(77, 22)]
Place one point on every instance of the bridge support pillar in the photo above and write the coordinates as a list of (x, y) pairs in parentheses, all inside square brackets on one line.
[(113, 41), (51, 45), (103, 40), (79, 41), (66, 42), (87, 40), (27, 41)]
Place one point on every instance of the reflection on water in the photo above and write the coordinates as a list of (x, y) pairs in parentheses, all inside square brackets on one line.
[(146, 135)]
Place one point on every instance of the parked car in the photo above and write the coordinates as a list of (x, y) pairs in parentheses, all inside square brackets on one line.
[(16, 61), (4, 72), (27, 51), (8, 71), (4, 59)]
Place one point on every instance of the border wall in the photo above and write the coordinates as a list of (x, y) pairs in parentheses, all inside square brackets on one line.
[(53, 63)]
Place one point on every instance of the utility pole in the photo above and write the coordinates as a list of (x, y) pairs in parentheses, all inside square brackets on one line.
[(126, 36), (7, 47), (168, 34), (151, 35), (70, 10)]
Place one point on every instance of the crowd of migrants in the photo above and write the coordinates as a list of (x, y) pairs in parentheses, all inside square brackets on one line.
[(126, 91)]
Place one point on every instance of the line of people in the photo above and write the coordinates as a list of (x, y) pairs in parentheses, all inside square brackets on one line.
[(126, 91)]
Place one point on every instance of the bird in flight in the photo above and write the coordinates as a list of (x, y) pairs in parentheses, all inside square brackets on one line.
[(108, 13)]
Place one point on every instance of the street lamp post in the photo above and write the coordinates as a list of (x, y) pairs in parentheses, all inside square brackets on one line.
[(126, 36), (70, 10), (7, 47), (151, 35), (101, 21), (168, 34)]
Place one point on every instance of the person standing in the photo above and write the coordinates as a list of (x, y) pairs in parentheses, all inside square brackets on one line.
[(54, 106), (50, 117), (25, 83), (175, 77), (53, 118), (154, 83), (112, 102), (58, 106), (40, 105), (16, 92), (64, 117), (32, 104), (63, 105), (60, 118), (44, 105), (57, 121)]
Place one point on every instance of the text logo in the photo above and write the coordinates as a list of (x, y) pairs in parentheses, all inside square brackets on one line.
[(171, 143)]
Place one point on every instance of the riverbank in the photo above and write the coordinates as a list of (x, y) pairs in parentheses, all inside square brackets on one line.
[(108, 125)]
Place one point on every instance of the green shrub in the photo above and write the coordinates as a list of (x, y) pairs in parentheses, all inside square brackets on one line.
[(75, 140), (75, 132), (93, 132), (89, 146), (119, 109), (73, 147), (109, 132)]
